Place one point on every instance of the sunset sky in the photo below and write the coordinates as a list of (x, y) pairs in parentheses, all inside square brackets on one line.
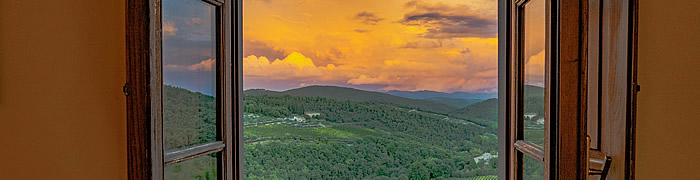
[(379, 45)]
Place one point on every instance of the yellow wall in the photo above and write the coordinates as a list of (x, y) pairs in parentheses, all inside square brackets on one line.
[(668, 124), (62, 113)]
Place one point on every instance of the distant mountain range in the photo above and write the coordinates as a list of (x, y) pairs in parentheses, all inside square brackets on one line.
[(435, 94), (484, 104), (343, 93), (454, 102)]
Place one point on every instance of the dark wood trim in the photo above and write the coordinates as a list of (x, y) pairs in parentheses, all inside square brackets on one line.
[(519, 3), (191, 152), (633, 89), (237, 73), (144, 149), (568, 58), (156, 100), (504, 142), (214, 2), (530, 149), (226, 168)]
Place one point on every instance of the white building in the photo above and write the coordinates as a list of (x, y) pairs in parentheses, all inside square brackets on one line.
[(530, 115), (540, 121), (298, 118), (312, 114), (486, 157)]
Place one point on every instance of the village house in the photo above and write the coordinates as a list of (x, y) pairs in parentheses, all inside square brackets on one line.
[(312, 114), (298, 118)]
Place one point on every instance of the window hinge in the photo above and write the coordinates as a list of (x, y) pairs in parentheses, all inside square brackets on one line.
[(636, 88), (125, 89)]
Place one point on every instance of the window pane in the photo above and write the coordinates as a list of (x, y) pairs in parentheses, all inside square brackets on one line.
[(534, 67), (189, 73), (400, 89), (532, 169), (201, 168)]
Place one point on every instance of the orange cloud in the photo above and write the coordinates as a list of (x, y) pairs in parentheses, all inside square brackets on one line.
[(169, 29), (205, 65), (294, 66)]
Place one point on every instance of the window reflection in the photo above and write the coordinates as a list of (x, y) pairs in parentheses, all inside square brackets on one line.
[(534, 71), (189, 73)]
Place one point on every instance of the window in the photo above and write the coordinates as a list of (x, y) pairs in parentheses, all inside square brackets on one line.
[(566, 70), (379, 90), (531, 74), (179, 90), (540, 76)]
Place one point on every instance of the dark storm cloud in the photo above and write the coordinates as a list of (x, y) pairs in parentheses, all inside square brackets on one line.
[(257, 48), (368, 18), (423, 44), (444, 21)]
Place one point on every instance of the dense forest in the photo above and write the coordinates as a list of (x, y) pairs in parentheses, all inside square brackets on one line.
[(362, 140), (309, 137)]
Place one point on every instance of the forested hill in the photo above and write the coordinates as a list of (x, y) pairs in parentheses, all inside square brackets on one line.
[(486, 110), (534, 91), (359, 140), (343, 93), (348, 139), (434, 94), (455, 102)]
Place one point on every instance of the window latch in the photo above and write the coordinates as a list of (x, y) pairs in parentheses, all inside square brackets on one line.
[(606, 161)]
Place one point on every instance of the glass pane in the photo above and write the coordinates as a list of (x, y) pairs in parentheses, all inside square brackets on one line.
[(534, 67), (400, 89), (201, 168), (189, 73), (532, 169)]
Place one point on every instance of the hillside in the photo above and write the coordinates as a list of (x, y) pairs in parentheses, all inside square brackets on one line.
[(367, 139), (260, 92), (343, 93), (188, 117), (486, 110), (534, 91), (434, 94), (454, 102), (359, 140)]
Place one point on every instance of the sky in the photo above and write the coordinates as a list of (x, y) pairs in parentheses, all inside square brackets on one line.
[(377, 45)]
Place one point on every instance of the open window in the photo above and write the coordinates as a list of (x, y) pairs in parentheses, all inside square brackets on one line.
[(179, 89), (576, 60), (187, 114)]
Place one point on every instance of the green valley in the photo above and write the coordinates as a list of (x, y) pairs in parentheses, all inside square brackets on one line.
[(333, 136)]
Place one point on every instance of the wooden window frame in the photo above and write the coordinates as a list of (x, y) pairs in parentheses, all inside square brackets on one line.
[(566, 155), (563, 154), (146, 157)]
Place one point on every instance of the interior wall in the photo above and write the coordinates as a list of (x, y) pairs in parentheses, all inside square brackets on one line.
[(62, 112), (668, 118)]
